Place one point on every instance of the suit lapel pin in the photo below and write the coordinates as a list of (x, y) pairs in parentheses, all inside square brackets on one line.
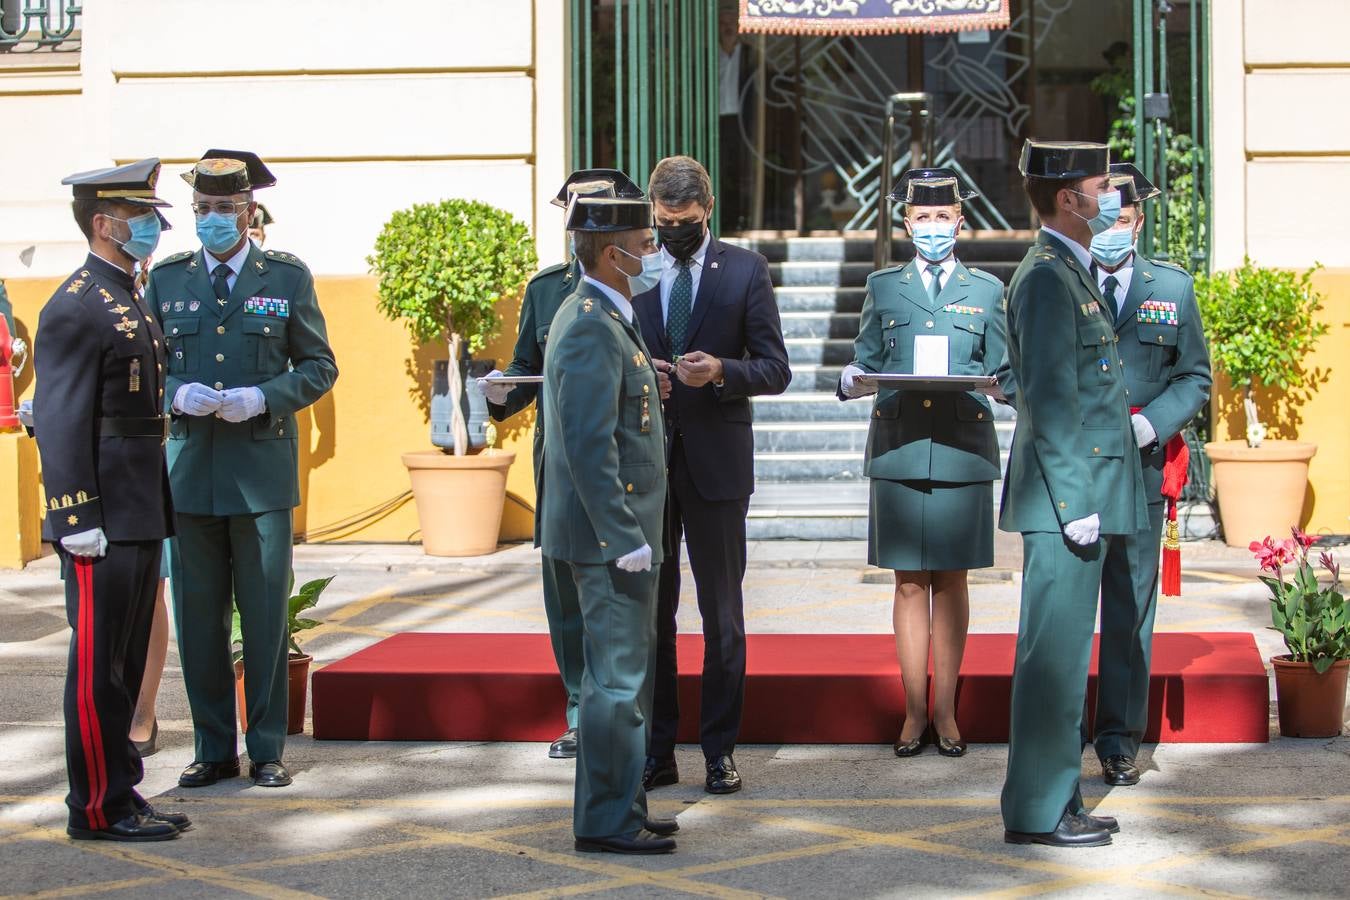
[(714, 264)]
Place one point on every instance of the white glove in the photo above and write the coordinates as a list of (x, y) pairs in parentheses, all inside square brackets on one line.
[(1084, 531), (91, 543), (18, 347), (26, 413), (241, 404), (196, 400), (495, 393), (640, 560), (1143, 430), (847, 385)]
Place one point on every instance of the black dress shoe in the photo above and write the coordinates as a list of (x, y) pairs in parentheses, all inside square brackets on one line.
[(1120, 771), (1073, 830), (659, 772), (661, 827), (135, 827), (269, 774), (1107, 822), (644, 843), (201, 774), (952, 748), (722, 775), (149, 746), (177, 820), (565, 747), (905, 749)]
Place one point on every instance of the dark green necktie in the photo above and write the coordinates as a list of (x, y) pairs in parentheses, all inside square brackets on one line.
[(220, 283), (934, 282), (1109, 294), (681, 303)]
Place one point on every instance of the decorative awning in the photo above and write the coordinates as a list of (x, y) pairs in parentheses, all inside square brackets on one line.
[(836, 17)]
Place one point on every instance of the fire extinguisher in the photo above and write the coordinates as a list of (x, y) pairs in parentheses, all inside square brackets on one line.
[(9, 349)]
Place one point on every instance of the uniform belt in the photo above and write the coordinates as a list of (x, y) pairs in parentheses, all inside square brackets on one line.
[(152, 427)]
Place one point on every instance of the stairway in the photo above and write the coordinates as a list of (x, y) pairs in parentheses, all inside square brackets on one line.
[(808, 445)]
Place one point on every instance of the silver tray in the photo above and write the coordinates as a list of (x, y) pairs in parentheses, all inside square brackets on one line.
[(928, 382), (515, 379)]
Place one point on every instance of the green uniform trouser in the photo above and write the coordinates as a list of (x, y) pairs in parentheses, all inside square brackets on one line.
[(1060, 584), (618, 612), (564, 629), (248, 559), (1129, 601)]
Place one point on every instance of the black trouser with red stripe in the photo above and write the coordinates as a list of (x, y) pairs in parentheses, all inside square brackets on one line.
[(110, 604)]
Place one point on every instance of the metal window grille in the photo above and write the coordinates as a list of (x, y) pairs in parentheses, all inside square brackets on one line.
[(28, 26)]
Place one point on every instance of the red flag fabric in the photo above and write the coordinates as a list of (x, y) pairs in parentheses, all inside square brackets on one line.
[(1176, 467)]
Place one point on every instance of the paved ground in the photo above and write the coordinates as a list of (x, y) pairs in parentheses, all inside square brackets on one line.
[(474, 820)]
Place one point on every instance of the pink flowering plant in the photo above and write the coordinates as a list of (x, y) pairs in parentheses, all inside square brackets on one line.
[(1313, 619)]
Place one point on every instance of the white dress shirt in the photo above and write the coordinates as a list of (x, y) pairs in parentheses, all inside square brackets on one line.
[(1123, 276), (671, 268), (236, 263), (948, 267), (625, 307)]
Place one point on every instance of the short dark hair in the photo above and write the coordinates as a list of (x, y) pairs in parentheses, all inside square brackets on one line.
[(1043, 191), (678, 180), (590, 244), (85, 210)]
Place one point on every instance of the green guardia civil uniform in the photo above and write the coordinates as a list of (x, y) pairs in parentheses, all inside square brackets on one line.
[(932, 457), (543, 296), (1167, 375), (235, 484), (604, 467), (1073, 455)]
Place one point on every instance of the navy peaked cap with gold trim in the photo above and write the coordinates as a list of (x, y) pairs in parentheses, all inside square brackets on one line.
[(1063, 159), (597, 183), (220, 173), (608, 214), (133, 183)]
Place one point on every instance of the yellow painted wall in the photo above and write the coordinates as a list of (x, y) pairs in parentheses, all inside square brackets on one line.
[(1316, 414), (351, 440)]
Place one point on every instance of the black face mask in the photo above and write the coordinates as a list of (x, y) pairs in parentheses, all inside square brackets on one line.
[(681, 241)]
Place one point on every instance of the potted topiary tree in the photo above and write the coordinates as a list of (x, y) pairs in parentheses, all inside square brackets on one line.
[(443, 267), (1261, 324)]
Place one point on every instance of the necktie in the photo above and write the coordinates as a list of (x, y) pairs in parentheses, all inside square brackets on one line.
[(681, 303), (934, 282), (220, 283), (1109, 294)]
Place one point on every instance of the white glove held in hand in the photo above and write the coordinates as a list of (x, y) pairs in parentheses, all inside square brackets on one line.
[(241, 404), (1143, 431), (26, 413), (91, 543), (847, 385), (196, 400), (1084, 531), (495, 393), (640, 560)]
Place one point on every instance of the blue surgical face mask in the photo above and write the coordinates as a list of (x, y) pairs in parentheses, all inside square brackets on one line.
[(218, 233), (144, 235), (1108, 211), (649, 277), (1113, 246), (934, 240)]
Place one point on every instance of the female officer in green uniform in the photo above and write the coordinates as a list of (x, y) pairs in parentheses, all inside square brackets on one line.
[(932, 457)]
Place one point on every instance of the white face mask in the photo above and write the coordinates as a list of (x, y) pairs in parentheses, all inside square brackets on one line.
[(649, 277)]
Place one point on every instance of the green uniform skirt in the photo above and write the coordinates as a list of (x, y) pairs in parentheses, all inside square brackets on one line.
[(930, 526)]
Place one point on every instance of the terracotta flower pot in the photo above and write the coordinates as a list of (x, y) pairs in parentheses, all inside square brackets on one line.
[(1310, 705), (297, 671), (1260, 489), (459, 500)]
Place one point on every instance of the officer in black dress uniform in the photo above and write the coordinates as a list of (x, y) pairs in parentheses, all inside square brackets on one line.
[(99, 360)]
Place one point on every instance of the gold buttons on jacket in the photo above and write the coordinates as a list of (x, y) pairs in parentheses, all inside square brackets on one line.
[(218, 386), (220, 357), (281, 431), (1160, 338), (890, 323), (928, 324), (1063, 505), (1096, 449), (175, 329), (927, 404), (267, 329), (878, 414), (646, 389), (979, 415), (604, 544), (220, 329), (630, 488)]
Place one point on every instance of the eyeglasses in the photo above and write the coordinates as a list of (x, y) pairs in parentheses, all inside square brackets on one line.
[(224, 207)]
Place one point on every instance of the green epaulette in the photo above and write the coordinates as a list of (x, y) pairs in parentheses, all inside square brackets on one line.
[(176, 258), (985, 276), (556, 267), (1167, 264), (889, 270), (283, 256)]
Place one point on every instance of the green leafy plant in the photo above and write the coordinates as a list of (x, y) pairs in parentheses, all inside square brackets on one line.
[(306, 598), (1313, 619), (1261, 323), (443, 267)]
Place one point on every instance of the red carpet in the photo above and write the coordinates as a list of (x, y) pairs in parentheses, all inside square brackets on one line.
[(801, 688)]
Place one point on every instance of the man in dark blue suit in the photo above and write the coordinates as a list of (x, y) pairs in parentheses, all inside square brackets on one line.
[(714, 320)]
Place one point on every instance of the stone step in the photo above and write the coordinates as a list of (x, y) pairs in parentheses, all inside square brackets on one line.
[(824, 437), (815, 351), (975, 250), (808, 406), (819, 274), (823, 325), (808, 377), (820, 299)]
